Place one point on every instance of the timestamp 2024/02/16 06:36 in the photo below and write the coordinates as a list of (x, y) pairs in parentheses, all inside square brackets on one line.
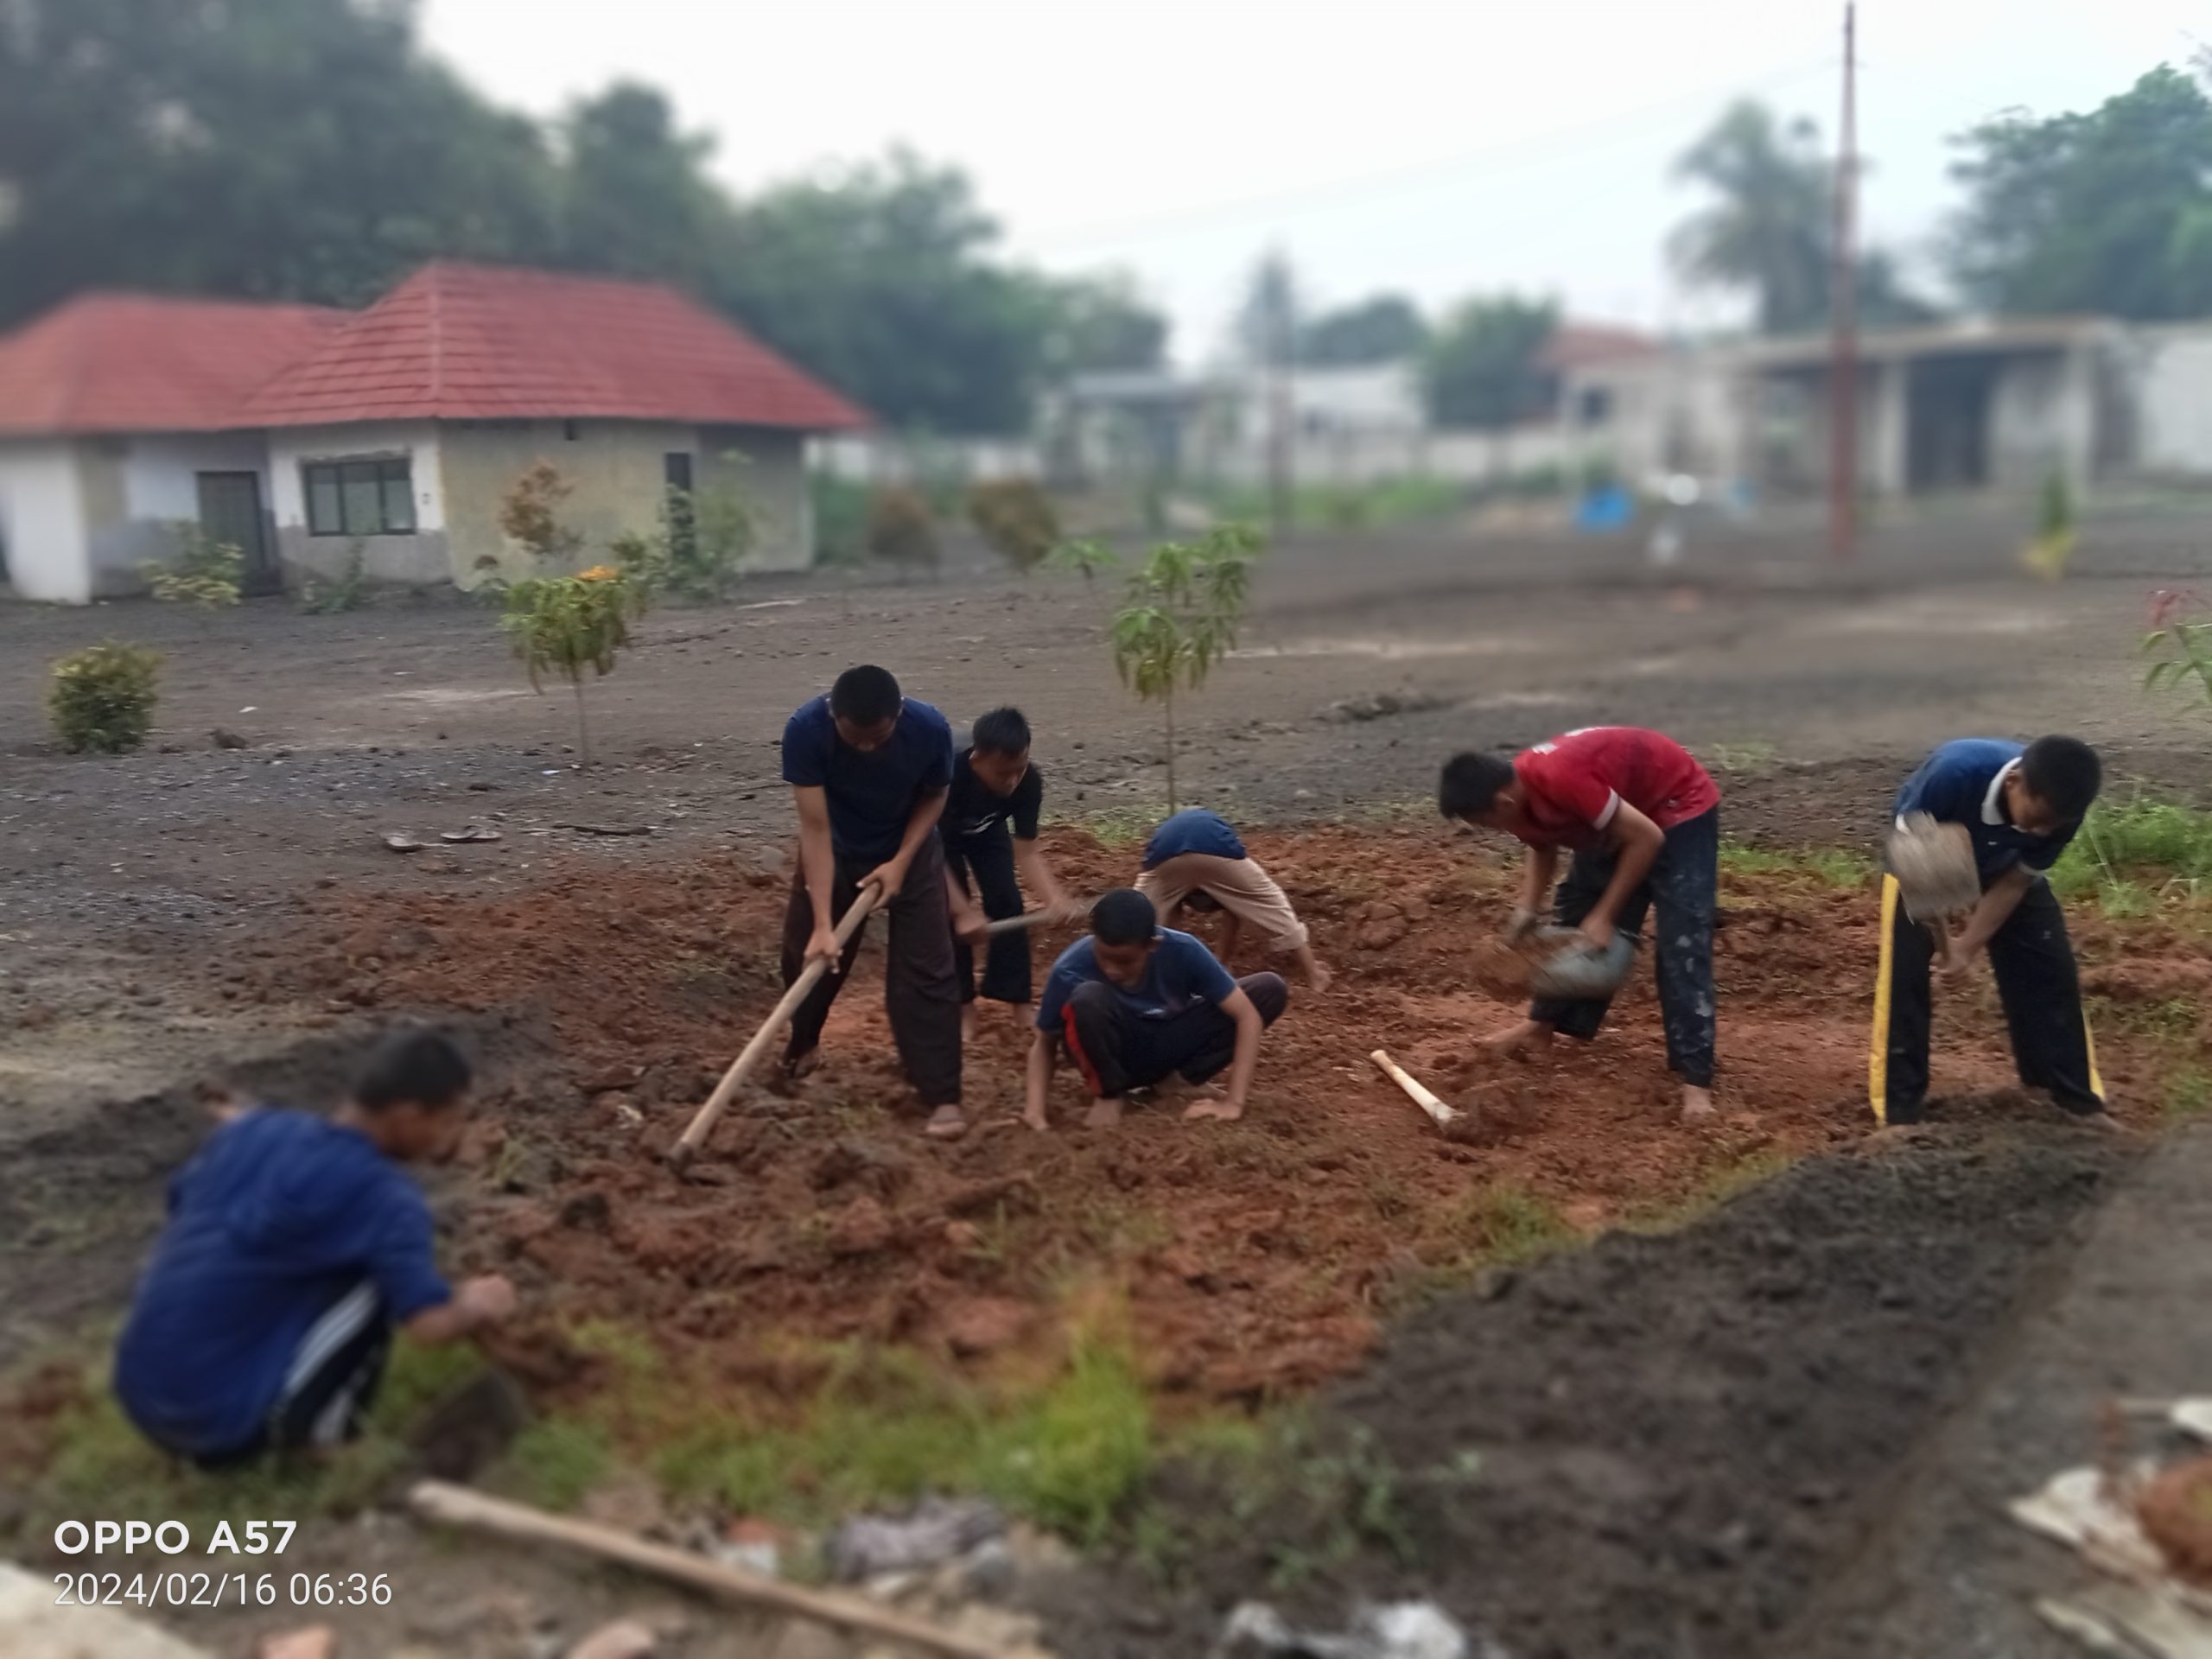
[(180, 1589)]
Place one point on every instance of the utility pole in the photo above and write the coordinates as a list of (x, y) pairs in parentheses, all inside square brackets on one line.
[(1282, 349), (1843, 303)]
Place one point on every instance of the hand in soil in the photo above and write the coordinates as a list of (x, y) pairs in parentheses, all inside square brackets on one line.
[(1220, 1111), (1523, 1041), (1697, 1105)]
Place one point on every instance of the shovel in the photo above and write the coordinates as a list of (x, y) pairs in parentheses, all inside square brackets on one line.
[(1566, 966), (702, 1123), (1935, 868)]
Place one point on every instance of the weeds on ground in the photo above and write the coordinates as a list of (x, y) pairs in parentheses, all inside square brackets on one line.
[(1745, 760), (94, 1461), (347, 591), (1500, 1226), (2131, 855), (1721, 1184), (1112, 827), (2188, 1095), (1837, 866)]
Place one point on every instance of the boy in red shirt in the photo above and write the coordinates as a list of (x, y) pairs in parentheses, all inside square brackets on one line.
[(1643, 821)]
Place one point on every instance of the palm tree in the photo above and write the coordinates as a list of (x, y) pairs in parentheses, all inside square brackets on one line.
[(1770, 230)]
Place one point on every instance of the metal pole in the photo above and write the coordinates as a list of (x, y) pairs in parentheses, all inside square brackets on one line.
[(1280, 416), (1843, 301)]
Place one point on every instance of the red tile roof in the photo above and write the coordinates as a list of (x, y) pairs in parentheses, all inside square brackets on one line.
[(1578, 345), (143, 363), (475, 342)]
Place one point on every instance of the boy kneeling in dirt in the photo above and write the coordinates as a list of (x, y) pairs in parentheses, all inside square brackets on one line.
[(989, 830), (1195, 860), (2020, 807), (1139, 1005), (1644, 820), (294, 1245)]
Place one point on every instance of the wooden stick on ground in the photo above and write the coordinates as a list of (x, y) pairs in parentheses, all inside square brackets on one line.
[(458, 1506), (1444, 1115), (703, 1123)]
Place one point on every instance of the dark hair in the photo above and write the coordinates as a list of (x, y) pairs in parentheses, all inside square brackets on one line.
[(867, 695), (423, 1067), (1002, 731), (2063, 773), (1123, 917), (1471, 783)]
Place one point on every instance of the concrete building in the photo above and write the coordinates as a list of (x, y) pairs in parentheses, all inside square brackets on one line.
[(299, 435), (1996, 405)]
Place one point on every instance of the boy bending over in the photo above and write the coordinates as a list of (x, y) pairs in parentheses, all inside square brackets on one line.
[(1643, 821), (1136, 1003), (1195, 860), (296, 1245), (2020, 807)]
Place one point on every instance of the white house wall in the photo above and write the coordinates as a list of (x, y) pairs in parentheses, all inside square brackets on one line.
[(42, 522), (2174, 402), (137, 489), (407, 560)]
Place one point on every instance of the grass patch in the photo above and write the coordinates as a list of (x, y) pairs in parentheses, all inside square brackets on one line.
[(1745, 760), (2188, 1095), (1836, 866), (1501, 1226), (1721, 1184), (2130, 854), (1114, 827), (95, 1460)]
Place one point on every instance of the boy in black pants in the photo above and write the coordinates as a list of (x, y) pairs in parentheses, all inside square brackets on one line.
[(2021, 806), (296, 1245), (1137, 1005), (989, 830)]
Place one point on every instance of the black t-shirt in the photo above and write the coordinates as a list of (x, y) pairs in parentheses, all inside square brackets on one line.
[(972, 809)]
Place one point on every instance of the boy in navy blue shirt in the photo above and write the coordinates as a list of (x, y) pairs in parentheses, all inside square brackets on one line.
[(869, 769), (2020, 806), (990, 831), (1135, 1002), (1194, 861), (294, 1245)]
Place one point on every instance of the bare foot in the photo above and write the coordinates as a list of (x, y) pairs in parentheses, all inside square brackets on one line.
[(1103, 1115), (946, 1123), (1320, 976), (967, 1023), (1219, 1110), (1697, 1104), (1037, 1124), (1531, 1037), (797, 1066)]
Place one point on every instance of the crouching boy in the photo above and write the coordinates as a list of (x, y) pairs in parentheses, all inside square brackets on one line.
[(1138, 1006), (2020, 807), (296, 1245)]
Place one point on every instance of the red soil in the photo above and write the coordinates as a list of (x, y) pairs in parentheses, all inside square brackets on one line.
[(1256, 1257)]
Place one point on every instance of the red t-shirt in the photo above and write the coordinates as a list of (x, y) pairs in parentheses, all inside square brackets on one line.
[(1576, 783)]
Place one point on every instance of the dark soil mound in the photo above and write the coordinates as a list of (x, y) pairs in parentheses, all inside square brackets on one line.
[(1654, 1447)]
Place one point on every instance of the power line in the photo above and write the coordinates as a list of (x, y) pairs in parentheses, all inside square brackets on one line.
[(1510, 158)]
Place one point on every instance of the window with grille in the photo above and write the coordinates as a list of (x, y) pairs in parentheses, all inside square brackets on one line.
[(360, 497)]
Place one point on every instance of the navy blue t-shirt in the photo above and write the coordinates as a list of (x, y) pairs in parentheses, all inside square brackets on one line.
[(1961, 783), (280, 1216), (1193, 829), (871, 796), (1182, 972)]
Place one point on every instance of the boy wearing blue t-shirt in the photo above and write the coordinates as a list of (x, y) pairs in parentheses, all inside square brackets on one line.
[(2020, 807), (294, 1245), (868, 768), (1136, 1003)]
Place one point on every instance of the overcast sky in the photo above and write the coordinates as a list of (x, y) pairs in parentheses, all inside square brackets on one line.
[(1436, 149)]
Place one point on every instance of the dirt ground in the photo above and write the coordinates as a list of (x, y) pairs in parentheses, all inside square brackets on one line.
[(200, 914)]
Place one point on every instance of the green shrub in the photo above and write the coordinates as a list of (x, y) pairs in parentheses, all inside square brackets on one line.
[(103, 697), (349, 591), (840, 519), (564, 624), (901, 530), (205, 573), (1016, 518)]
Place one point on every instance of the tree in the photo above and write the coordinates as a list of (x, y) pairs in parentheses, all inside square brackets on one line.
[(1267, 323), (880, 284), (1384, 329), (266, 149), (1095, 323), (1770, 230), (1480, 369), (635, 198), (564, 624), (2109, 211), (1180, 618)]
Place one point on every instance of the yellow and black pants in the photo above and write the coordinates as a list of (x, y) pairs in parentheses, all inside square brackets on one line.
[(2037, 981)]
